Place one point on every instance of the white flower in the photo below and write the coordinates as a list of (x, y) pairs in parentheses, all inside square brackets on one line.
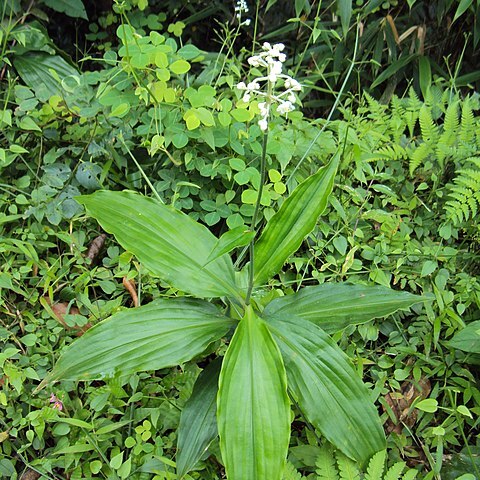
[(262, 106), (263, 124), (292, 84), (271, 58), (285, 107)]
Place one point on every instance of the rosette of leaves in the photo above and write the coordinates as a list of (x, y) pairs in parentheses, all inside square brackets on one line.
[(275, 355)]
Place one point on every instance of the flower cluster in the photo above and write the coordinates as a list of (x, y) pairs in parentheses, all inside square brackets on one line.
[(57, 404), (240, 8), (272, 59)]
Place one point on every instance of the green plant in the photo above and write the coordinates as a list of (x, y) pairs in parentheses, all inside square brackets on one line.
[(334, 465), (278, 348)]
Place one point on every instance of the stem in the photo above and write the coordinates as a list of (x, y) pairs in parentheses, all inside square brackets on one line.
[(149, 183), (255, 214), (333, 109)]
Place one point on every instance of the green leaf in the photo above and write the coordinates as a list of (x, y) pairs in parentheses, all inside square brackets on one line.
[(27, 123), (424, 75), (253, 408), (116, 461), (295, 219), (179, 67), (376, 466), (41, 70), (169, 243), (429, 405), (468, 339), (393, 69), (345, 13), (428, 267), (158, 335), (237, 237), (120, 110), (463, 6), (327, 389), (72, 8), (333, 306), (76, 422), (198, 422)]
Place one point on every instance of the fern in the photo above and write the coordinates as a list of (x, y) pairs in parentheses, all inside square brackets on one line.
[(347, 467), (394, 472), (376, 466), (467, 127), (336, 466), (464, 194), (291, 473), (326, 464), (448, 138), (427, 125), (390, 152), (418, 156)]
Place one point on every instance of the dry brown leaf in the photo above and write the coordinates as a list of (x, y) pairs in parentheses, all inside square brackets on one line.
[(401, 403), (30, 474), (61, 309), (96, 246), (130, 286)]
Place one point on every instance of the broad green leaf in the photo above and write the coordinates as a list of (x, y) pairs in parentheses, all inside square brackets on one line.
[(41, 70), (198, 422), (161, 334), (468, 339), (345, 12), (327, 388), (169, 243), (237, 237), (295, 219), (72, 8), (424, 75), (333, 306), (253, 411), (393, 69)]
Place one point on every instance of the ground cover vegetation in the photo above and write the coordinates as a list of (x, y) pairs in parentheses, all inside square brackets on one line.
[(307, 287)]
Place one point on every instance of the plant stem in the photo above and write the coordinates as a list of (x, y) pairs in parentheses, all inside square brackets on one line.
[(263, 169)]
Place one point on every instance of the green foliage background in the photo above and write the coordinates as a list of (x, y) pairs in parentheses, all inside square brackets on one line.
[(148, 93)]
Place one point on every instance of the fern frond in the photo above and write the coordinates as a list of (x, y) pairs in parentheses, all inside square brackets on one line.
[(451, 120), (467, 124), (418, 156), (326, 465), (448, 138), (427, 125), (464, 194), (375, 108), (376, 466), (348, 468), (410, 474), (414, 102), (291, 473), (394, 472), (391, 152)]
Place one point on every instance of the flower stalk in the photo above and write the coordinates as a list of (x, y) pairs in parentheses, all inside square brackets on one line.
[(268, 89)]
